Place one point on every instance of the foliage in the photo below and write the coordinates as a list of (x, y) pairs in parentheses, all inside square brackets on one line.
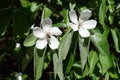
[(95, 57)]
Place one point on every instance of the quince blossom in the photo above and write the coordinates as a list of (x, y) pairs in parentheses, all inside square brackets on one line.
[(82, 25), (46, 35)]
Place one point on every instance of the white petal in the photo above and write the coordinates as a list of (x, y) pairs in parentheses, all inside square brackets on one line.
[(73, 16), (38, 32), (55, 31), (53, 42), (90, 24), (85, 15), (41, 43), (19, 77), (47, 24), (84, 32), (17, 45), (32, 26), (74, 26)]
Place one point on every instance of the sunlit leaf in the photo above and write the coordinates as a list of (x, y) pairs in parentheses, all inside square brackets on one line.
[(84, 50), (25, 3), (60, 69), (102, 12), (55, 64), (38, 62), (65, 15), (114, 75), (93, 58), (101, 43), (34, 6), (111, 18), (68, 63), (61, 25), (47, 12), (107, 76), (86, 71), (65, 44), (116, 38), (30, 40), (106, 62), (72, 6)]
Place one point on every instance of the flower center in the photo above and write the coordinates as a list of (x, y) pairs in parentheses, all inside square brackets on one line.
[(48, 35)]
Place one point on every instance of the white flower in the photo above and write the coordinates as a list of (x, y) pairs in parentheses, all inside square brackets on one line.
[(18, 76), (46, 35), (82, 25), (32, 26), (17, 45)]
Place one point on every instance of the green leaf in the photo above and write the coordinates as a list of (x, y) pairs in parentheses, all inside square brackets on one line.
[(61, 25), (77, 71), (65, 44), (114, 75), (72, 6), (34, 6), (106, 31), (55, 64), (111, 5), (5, 17), (25, 3), (65, 16), (47, 12), (60, 69), (116, 38), (93, 58), (21, 26), (102, 12), (86, 71), (68, 63), (27, 58), (47, 60), (38, 62), (30, 40), (107, 76), (111, 18), (106, 62), (84, 50), (101, 43)]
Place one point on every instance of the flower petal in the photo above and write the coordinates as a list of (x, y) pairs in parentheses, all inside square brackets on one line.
[(38, 32), (53, 43), (73, 16), (84, 32), (47, 24), (55, 31), (74, 26), (41, 43), (90, 24), (85, 15), (32, 26)]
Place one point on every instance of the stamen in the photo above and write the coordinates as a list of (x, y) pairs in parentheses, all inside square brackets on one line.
[(48, 35)]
